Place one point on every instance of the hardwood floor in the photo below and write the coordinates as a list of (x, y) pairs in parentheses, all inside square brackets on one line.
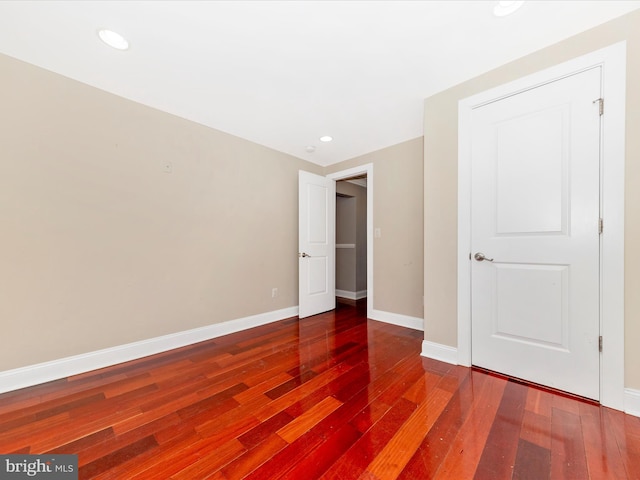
[(333, 396)]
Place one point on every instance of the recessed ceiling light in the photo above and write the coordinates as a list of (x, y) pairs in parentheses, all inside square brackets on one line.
[(504, 8), (326, 138), (113, 39)]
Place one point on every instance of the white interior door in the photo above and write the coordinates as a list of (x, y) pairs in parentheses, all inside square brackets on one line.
[(535, 212), (316, 244)]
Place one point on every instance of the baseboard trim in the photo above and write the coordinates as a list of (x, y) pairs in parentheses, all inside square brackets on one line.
[(632, 402), (86, 362), (351, 295), (398, 319), (437, 351)]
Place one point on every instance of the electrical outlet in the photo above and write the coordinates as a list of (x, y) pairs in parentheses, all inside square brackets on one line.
[(168, 166), (274, 292), (377, 232)]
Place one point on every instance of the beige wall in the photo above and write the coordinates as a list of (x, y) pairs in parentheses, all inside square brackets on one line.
[(357, 234), (440, 181), (361, 237), (398, 212), (100, 247), (345, 233)]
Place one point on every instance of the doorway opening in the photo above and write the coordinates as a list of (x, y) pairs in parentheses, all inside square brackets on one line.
[(357, 174), (351, 238)]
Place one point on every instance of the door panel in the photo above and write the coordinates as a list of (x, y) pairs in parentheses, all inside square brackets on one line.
[(522, 317), (318, 276), (316, 243), (532, 192), (535, 211)]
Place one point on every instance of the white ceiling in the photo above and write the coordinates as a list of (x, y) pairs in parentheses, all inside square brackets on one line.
[(282, 74)]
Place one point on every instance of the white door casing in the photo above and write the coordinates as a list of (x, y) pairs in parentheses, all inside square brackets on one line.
[(612, 61), (316, 243), (535, 175)]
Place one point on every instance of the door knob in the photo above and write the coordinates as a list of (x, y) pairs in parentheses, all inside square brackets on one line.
[(481, 257), (303, 255)]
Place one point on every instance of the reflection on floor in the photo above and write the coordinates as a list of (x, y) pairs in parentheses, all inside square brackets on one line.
[(331, 396)]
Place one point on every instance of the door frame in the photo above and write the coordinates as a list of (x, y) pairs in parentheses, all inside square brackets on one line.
[(612, 59), (352, 172)]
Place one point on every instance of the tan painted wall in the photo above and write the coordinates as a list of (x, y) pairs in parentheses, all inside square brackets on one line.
[(440, 181), (398, 212), (100, 247), (358, 235), (345, 233), (361, 237)]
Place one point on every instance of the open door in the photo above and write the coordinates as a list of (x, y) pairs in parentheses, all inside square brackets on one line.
[(316, 244)]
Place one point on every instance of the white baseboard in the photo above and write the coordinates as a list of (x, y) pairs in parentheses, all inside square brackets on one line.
[(398, 319), (632, 401), (65, 367), (437, 351), (351, 295)]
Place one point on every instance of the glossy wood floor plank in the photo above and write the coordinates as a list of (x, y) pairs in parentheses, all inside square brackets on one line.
[(461, 460), (440, 437), (601, 448), (499, 455), (627, 435), (335, 396)]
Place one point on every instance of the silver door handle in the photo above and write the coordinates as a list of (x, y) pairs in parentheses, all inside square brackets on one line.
[(481, 257), (303, 255)]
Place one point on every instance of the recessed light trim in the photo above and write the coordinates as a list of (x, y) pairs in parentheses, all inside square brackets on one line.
[(113, 39), (326, 138), (507, 7)]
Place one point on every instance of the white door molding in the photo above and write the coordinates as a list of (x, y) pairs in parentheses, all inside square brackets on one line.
[(613, 62), (352, 172)]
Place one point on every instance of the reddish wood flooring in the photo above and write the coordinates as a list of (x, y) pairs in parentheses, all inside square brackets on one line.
[(333, 396)]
